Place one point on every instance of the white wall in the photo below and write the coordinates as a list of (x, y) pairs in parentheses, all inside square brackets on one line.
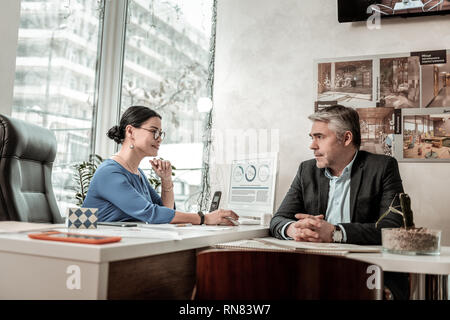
[(264, 79), (9, 22)]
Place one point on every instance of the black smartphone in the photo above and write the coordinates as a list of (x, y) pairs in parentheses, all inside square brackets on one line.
[(117, 224), (215, 201)]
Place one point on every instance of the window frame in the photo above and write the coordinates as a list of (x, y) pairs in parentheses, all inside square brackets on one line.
[(110, 75)]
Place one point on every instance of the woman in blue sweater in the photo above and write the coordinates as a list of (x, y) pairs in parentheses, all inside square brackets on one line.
[(120, 190)]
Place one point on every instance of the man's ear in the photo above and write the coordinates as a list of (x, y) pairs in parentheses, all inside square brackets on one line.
[(348, 138)]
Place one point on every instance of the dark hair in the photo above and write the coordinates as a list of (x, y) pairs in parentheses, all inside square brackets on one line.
[(135, 116), (340, 119)]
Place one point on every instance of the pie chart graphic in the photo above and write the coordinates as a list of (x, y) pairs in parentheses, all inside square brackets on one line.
[(238, 173), (264, 173), (250, 173)]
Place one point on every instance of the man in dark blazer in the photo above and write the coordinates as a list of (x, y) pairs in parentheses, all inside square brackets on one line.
[(375, 180), (339, 195)]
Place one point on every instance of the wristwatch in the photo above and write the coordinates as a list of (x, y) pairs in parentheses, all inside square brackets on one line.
[(337, 234), (202, 217)]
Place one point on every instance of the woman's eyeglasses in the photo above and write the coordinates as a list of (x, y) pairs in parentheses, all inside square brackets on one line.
[(156, 133)]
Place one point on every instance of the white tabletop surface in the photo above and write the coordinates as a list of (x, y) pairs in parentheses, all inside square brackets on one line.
[(133, 247), (128, 247), (411, 264)]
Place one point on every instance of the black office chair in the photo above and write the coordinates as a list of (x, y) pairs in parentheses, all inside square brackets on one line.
[(27, 153)]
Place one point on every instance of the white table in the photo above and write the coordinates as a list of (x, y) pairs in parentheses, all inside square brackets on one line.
[(430, 273), (133, 268)]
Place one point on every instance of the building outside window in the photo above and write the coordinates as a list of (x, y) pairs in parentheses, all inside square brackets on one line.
[(55, 80), (165, 68)]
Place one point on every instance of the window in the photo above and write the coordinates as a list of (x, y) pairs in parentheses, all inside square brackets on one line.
[(166, 69), (56, 79)]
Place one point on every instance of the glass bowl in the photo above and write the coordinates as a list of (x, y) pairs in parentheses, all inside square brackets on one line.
[(414, 241)]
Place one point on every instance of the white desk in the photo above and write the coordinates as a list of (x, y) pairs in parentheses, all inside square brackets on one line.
[(133, 268), (430, 273), (410, 264)]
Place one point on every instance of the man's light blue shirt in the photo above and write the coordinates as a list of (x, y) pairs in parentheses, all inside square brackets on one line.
[(338, 208)]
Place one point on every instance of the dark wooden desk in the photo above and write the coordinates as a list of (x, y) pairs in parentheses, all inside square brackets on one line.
[(263, 274)]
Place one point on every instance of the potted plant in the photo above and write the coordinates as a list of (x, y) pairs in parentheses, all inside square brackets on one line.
[(408, 239), (84, 172)]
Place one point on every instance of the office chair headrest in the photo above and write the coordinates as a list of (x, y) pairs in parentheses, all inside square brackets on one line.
[(23, 140)]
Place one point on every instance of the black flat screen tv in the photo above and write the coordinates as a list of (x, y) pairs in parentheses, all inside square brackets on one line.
[(357, 10)]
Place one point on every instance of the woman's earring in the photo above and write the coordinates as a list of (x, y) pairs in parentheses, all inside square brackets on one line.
[(131, 146)]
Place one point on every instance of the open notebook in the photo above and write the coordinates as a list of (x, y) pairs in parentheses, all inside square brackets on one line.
[(270, 243)]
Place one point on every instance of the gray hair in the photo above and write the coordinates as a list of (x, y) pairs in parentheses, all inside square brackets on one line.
[(340, 120)]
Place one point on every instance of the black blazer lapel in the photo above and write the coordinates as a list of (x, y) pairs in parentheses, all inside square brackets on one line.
[(355, 184), (324, 187)]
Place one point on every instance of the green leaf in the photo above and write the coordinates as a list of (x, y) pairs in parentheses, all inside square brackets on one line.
[(84, 172)]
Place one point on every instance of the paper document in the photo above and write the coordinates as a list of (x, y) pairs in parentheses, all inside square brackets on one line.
[(18, 226), (252, 244), (128, 232), (273, 244), (150, 231), (183, 227), (318, 246), (244, 221)]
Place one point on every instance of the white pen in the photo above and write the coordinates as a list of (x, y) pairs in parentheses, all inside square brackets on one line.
[(233, 221), (184, 224)]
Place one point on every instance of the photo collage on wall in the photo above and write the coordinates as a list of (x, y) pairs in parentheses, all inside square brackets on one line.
[(403, 101)]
